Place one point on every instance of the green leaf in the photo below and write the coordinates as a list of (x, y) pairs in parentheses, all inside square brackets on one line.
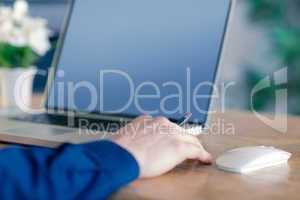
[(267, 11), (287, 43), (12, 56)]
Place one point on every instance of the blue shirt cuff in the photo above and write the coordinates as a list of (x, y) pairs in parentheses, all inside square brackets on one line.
[(115, 159)]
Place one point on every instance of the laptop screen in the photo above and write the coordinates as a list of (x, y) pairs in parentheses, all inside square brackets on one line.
[(133, 57)]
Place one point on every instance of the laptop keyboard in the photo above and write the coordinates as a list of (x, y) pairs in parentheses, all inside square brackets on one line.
[(75, 122)]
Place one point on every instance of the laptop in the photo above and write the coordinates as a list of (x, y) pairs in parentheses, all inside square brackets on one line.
[(119, 59)]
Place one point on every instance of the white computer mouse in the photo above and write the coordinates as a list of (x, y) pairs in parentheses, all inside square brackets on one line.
[(247, 159)]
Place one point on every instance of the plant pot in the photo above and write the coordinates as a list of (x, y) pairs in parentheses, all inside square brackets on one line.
[(16, 87)]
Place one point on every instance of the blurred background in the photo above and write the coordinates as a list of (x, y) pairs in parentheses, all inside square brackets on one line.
[(263, 36)]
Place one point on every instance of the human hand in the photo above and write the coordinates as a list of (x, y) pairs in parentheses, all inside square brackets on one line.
[(159, 145)]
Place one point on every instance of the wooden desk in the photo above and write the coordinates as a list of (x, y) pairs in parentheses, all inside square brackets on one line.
[(209, 183), (191, 181)]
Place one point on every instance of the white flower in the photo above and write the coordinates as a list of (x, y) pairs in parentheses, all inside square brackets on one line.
[(5, 12), (20, 9), (19, 29), (7, 26), (38, 40), (17, 38)]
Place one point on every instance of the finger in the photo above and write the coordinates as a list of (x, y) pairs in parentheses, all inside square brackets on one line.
[(141, 121), (167, 126), (183, 133), (162, 125), (193, 151), (190, 138)]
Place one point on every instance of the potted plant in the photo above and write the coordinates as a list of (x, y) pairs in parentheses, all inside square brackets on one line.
[(23, 39)]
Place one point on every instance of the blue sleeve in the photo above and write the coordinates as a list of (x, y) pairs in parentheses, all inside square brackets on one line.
[(87, 171)]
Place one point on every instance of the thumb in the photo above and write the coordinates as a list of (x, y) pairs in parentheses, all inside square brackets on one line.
[(197, 152)]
